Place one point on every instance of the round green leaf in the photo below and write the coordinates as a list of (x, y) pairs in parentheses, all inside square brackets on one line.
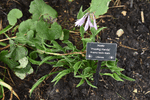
[(13, 15)]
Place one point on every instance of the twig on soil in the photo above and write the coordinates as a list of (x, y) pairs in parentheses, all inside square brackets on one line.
[(122, 44), (120, 96), (14, 1), (8, 74), (1, 27), (131, 3), (147, 92), (103, 16), (117, 6), (57, 54), (142, 16), (5, 47), (74, 32), (117, 2), (7, 39), (53, 70)]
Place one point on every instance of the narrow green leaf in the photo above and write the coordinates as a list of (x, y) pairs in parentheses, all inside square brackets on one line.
[(103, 63), (69, 46), (69, 59), (57, 46), (41, 80), (82, 31), (38, 62), (108, 74), (33, 54), (89, 83), (86, 40), (60, 63), (46, 59), (97, 31), (81, 82), (116, 77), (3, 44), (126, 77), (1, 91), (15, 28), (6, 29), (61, 74), (76, 67), (87, 70)]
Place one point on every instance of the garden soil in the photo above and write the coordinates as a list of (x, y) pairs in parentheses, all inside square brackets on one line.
[(133, 52)]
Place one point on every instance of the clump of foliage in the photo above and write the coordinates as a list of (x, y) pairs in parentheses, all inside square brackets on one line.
[(37, 37)]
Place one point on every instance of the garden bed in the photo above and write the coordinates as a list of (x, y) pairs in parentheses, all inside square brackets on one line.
[(132, 52)]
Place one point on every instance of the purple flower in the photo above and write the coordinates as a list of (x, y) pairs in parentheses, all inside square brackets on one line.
[(80, 22), (88, 24)]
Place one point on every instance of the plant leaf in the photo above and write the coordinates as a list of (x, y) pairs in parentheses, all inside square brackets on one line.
[(11, 64), (61, 74), (13, 15), (116, 77), (23, 72), (39, 7), (126, 77), (99, 7), (47, 58), (23, 62), (6, 29), (41, 80), (76, 67), (89, 83), (81, 82), (60, 63)]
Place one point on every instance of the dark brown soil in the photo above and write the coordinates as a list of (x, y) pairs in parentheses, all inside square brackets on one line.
[(132, 52)]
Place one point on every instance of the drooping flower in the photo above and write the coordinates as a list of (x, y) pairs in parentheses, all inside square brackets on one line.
[(88, 23), (81, 21)]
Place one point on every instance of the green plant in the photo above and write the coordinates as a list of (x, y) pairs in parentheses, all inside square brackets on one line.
[(40, 35)]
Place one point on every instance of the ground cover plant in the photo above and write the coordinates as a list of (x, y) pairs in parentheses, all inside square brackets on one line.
[(42, 37)]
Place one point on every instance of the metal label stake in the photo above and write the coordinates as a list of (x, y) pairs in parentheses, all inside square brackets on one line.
[(100, 52)]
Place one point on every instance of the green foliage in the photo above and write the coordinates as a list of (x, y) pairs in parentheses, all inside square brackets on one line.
[(41, 80), (11, 63), (39, 8), (1, 91), (61, 74), (13, 15), (6, 29), (38, 38), (116, 71), (99, 7)]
